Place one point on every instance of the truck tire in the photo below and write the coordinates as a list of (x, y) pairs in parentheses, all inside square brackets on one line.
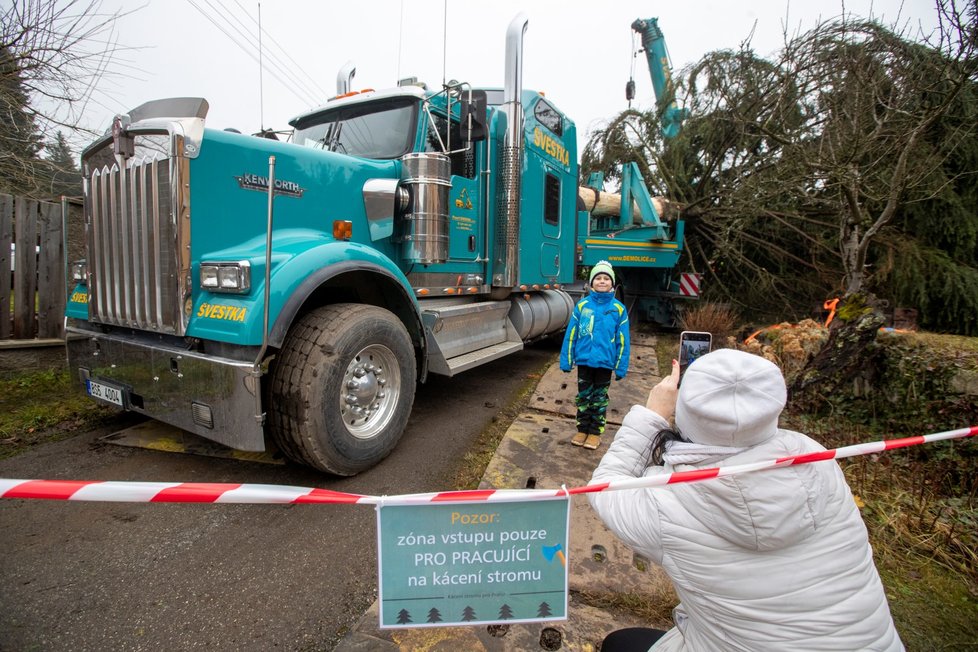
[(342, 388)]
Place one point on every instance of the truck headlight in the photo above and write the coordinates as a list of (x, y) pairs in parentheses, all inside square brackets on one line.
[(79, 272), (226, 277)]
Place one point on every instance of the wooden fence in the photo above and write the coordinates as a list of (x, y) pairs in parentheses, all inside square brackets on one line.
[(32, 296)]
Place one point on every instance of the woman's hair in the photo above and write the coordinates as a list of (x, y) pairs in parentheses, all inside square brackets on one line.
[(661, 442)]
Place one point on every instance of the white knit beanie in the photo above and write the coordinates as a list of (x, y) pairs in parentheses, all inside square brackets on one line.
[(730, 398), (601, 267)]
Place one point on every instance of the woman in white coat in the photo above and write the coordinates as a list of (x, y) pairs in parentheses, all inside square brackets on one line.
[(776, 559)]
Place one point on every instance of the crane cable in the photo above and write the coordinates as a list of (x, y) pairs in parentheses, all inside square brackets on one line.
[(631, 72)]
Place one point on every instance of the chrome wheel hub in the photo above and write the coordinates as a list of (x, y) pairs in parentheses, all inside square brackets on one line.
[(370, 392)]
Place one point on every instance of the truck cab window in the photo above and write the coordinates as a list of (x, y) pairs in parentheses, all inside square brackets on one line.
[(551, 199), (547, 116), (462, 162), (376, 130)]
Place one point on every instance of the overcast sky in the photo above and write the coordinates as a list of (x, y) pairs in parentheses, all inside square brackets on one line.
[(578, 52)]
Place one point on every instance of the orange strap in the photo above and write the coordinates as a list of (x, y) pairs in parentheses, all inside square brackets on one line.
[(750, 338), (830, 306)]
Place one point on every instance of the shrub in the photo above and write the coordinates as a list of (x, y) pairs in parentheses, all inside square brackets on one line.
[(716, 318)]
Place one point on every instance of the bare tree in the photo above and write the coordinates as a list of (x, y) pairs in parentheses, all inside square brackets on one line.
[(52, 55)]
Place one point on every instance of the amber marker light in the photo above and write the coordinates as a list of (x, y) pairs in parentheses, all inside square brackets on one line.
[(342, 229)]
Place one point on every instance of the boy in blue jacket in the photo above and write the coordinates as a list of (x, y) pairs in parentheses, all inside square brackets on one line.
[(597, 342)]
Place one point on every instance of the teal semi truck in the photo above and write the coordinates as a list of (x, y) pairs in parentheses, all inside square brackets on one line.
[(254, 291)]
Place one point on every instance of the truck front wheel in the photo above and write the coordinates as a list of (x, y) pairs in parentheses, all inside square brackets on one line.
[(342, 388)]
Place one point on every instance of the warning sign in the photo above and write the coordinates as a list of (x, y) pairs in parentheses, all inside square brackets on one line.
[(446, 564)]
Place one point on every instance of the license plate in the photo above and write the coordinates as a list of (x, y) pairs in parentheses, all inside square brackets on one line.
[(104, 392)]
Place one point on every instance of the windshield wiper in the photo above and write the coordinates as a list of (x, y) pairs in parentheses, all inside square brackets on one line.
[(335, 142), (327, 139)]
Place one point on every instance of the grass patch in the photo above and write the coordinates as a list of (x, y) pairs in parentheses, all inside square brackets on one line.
[(654, 609), (667, 350), (473, 465), (37, 407), (924, 544), (920, 504), (930, 606)]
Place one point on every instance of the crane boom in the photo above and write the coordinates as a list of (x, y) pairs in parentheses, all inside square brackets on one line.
[(654, 44)]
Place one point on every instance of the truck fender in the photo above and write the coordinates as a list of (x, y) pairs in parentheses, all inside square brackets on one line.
[(388, 290)]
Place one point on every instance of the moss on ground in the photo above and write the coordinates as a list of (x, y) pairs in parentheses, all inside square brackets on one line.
[(37, 407)]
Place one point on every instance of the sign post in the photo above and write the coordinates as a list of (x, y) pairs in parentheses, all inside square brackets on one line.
[(443, 564)]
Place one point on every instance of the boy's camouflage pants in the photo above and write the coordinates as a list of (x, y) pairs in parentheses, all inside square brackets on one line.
[(592, 398)]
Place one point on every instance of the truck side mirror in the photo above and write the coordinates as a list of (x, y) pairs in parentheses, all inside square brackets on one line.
[(473, 116)]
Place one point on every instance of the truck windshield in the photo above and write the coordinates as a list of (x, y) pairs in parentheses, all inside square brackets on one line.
[(379, 130)]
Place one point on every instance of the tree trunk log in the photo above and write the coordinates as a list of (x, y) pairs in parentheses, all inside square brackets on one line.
[(601, 204)]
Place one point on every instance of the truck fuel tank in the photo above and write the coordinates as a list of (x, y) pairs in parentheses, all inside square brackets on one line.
[(541, 313)]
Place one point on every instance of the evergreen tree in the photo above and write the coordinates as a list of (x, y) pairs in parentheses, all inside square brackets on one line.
[(20, 139), (928, 258), (505, 612), (434, 616), (468, 614), (52, 56), (65, 178), (404, 617), (543, 611), (845, 166)]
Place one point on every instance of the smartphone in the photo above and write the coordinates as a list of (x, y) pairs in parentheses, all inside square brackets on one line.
[(692, 345)]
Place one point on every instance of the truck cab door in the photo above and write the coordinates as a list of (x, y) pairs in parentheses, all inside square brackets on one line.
[(550, 225), (549, 192)]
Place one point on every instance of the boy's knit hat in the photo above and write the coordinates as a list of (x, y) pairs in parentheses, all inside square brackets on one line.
[(730, 398), (601, 267)]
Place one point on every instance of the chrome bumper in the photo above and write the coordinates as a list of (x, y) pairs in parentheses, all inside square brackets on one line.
[(206, 395)]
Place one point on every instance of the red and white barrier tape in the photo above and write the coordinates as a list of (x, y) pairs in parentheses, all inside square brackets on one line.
[(202, 492)]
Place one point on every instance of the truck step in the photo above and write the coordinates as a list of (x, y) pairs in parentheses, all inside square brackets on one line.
[(457, 330), (468, 318), (464, 362)]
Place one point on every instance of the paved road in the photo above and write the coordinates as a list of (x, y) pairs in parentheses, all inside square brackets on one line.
[(121, 576)]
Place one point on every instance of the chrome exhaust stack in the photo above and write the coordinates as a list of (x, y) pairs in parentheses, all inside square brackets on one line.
[(506, 252), (344, 78)]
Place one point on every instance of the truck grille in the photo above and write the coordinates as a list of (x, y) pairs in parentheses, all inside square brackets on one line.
[(134, 243)]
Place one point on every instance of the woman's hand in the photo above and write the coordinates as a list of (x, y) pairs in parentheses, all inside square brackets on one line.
[(662, 398)]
